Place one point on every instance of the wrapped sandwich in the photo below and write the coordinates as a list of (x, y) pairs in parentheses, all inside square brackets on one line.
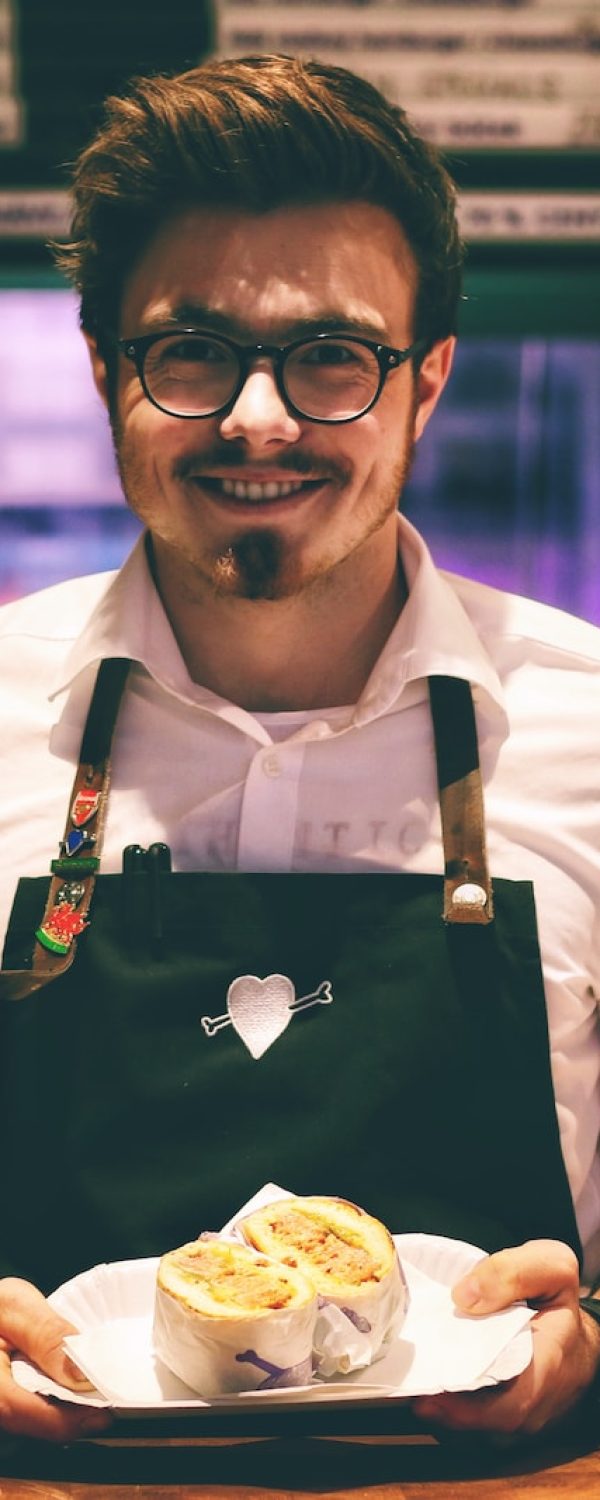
[(228, 1319), (351, 1260)]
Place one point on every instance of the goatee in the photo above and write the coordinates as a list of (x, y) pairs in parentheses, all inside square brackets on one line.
[(251, 566)]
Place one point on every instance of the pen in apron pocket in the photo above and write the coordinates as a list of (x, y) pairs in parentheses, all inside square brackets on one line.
[(158, 862), (133, 866)]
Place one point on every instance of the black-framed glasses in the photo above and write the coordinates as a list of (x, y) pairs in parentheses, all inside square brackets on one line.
[(327, 378)]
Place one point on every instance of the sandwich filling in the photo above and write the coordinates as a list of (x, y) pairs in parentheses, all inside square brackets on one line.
[(334, 1243), (329, 1250), (227, 1277)]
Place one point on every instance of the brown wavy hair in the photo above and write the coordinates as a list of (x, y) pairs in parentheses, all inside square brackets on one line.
[(256, 133)]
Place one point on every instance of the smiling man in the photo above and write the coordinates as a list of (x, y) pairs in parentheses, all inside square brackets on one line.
[(275, 495), (321, 823)]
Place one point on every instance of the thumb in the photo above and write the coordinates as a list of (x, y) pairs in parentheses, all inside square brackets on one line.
[(541, 1271), (30, 1326)]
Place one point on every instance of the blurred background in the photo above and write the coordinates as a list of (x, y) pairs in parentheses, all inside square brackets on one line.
[(505, 485)]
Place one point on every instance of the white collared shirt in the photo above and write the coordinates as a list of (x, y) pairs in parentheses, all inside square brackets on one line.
[(344, 789)]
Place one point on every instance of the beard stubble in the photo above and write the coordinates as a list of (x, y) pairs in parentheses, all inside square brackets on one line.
[(257, 563)]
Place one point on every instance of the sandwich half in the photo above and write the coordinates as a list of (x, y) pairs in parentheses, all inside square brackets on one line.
[(228, 1319), (349, 1256), (221, 1279)]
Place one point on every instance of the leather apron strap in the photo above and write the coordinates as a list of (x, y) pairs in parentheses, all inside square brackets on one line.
[(74, 871), (467, 885), (468, 895)]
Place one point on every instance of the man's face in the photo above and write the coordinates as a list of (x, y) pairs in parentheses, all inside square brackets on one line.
[(210, 489)]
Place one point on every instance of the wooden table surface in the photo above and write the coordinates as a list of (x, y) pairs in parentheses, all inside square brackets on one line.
[(293, 1467)]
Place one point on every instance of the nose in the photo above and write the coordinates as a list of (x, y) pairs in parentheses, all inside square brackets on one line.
[(260, 416)]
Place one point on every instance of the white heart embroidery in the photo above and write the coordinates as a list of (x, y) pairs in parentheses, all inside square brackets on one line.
[(260, 1009)]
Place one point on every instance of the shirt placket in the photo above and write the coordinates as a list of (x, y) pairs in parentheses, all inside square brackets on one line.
[(269, 811), (268, 814)]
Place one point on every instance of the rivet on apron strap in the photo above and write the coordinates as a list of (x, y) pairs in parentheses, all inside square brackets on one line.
[(468, 895), (77, 872)]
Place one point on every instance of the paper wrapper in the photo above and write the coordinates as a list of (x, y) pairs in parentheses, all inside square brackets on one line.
[(350, 1336), (351, 1329), (215, 1356)]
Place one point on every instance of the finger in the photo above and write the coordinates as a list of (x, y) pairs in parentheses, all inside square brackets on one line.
[(481, 1412), (520, 1407), (497, 1409), (25, 1415), (541, 1271), (560, 1370), (28, 1324)]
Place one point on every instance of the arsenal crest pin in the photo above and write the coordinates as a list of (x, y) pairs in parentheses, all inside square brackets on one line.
[(85, 805)]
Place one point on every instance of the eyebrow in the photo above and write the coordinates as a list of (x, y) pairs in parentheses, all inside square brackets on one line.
[(198, 315)]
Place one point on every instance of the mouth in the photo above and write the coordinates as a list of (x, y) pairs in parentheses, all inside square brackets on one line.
[(254, 492)]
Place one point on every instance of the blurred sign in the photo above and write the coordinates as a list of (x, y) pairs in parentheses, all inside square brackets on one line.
[(523, 73), (11, 111), (34, 213), (521, 215), (492, 74), (518, 215)]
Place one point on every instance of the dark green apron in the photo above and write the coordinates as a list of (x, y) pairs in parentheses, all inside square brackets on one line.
[(407, 1066)]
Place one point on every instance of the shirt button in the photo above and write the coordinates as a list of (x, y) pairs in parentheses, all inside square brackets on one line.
[(271, 765)]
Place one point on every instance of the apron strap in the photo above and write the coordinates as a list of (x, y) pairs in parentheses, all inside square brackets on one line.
[(468, 896), (467, 886), (74, 871)]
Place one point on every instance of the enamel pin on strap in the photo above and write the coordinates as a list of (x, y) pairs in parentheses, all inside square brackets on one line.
[(65, 916), (63, 922), (68, 902), (66, 913), (75, 868)]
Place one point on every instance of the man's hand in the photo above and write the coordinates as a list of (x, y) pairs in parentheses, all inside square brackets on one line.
[(28, 1325), (566, 1343)]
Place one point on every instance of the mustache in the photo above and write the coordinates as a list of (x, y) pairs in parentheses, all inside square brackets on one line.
[(194, 466)]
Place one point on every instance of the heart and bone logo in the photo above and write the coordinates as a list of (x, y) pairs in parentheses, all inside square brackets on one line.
[(260, 1009)]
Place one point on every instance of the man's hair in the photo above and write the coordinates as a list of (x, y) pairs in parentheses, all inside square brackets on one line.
[(256, 133)]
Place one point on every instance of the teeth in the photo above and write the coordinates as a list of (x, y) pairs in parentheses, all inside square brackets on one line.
[(253, 491)]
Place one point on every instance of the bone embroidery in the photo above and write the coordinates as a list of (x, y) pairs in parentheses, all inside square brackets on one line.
[(261, 1009), (276, 1375)]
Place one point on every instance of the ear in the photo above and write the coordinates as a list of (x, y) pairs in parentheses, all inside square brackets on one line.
[(431, 380), (98, 367)]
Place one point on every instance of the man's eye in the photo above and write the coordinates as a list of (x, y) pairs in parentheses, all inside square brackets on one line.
[(330, 354), (194, 351)]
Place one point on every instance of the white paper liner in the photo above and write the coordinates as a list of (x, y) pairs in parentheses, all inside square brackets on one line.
[(437, 1348)]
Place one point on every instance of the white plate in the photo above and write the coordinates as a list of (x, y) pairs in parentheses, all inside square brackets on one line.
[(436, 1348)]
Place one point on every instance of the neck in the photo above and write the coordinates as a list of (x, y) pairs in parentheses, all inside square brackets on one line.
[(315, 649)]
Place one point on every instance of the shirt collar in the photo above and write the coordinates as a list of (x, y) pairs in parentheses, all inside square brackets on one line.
[(433, 635), (130, 621)]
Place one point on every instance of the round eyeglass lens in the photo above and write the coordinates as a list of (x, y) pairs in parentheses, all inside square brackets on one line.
[(331, 379), (191, 375)]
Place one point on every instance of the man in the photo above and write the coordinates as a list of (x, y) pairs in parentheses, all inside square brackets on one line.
[(269, 270)]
